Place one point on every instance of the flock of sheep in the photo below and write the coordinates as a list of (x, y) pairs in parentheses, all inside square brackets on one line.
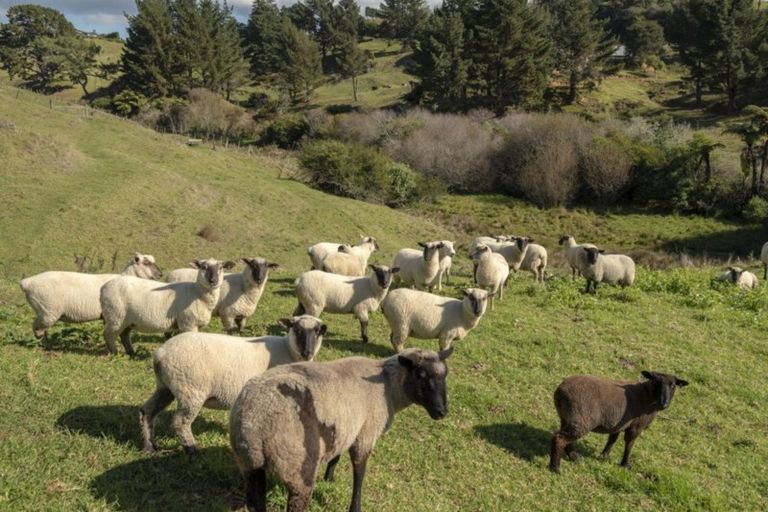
[(300, 414)]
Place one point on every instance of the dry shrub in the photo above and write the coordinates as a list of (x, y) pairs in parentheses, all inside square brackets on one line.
[(373, 128), (207, 115), (606, 170)]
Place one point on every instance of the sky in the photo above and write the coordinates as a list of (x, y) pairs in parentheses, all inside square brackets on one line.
[(106, 16)]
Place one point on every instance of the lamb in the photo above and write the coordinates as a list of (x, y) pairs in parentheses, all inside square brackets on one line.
[(593, 404), (320, 291), (427, 316), (535, 260), (130, 303), (73, 297), (319, 251), (742, 278), (291, 419), (209, 370), (240, 292), (575, 254), (492, 271), (419, 268), (608, 268), (447, 252), (351, 261), (764, 259)]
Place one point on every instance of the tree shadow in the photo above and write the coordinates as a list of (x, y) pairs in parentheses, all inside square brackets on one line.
[(722, 245), (358, 347), (209, 480), (121, 423), (519, 439)]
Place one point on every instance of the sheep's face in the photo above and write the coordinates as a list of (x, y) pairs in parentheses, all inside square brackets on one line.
[(664, 386), (564, 239), (305, 335), (145, 266), (448, 249), (430, 249), (592, 254), (734, 274), (259, 268), (424, 382), (522, 242), (476, 300), (479, 251), (210, 272), (370, 240), (384, 275)]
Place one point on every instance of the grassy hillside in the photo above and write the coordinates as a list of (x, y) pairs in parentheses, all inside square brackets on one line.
[(96, 185)]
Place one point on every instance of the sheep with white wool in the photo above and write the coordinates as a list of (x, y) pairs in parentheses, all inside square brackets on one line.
[(240, 292), (608, 268), (447, 252), (292, 419), (419, 268), (209, 370), (319, 292), (130, 303), (742, 278), (427, 316), (319, 251), (73, 297), (493, 242), (492, 271), (535, 260), (575, 254)]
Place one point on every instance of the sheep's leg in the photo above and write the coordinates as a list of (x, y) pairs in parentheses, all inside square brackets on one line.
[(359, 461), (125, 339), (630, 436), (570, 451), (240, 321), (559, 441), (445, 342), (397, 341), (474, 273), (40, 328), (364, 328), (611, 441), (440, 281), (299, 310), (765, 272), (256, 490), (299, 498), (160, 399), (182, 424), (110, 337), (329, 471)]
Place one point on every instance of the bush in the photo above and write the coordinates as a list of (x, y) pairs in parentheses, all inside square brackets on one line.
[(128, 103), (286, 132), (756, 210), (606, 170)]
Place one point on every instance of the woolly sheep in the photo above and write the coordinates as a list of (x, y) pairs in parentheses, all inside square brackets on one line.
[(608, 268), (575, 254), (593, 404), (493, 242), (73, 297), (209, 370), (764, 259), (427, 316), (740, 277), (492, 271), (291, 419), (447, 252), (240, 292), (320, 291), (419, 268), (535, 260), (319, 251), (131, 303), (351, 261)]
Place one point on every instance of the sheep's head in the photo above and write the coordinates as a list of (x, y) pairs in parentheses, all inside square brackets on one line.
[(564, 239), (210, 272), (430, 249), (448, 249), (259, 268), (144, 266), (384, 275), (522, 242), (592, 254), (480, 249), (476, 300), (734, 273), (664, 386), (305, 335), (424, 382), (345, 248), (370, 240)]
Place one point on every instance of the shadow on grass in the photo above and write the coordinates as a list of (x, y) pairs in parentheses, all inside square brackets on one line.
[(722, 245), (86, 341), (121, 423), (519, 439), (209, 480), (370, 349)]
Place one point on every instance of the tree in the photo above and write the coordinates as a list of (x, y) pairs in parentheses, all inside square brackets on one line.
[(353, 61), (581, 45), (79, 59), (322, 26), (403, 19), (644, 40), (262, 38), (300, 70), (754, 133), (348, 20)]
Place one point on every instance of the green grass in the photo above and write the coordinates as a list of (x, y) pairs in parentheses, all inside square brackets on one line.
[(69, 437)]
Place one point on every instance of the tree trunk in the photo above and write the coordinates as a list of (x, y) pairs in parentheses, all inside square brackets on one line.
[(354, 88), (763, 163), (707, 167), (572, 87), (753, 165)]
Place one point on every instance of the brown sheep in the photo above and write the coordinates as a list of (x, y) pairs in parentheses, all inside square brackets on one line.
[(593, 404)]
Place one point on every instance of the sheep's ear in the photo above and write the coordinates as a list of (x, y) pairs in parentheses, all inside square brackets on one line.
[(323, 329), (445, 354), (422, 244), (466, 292), (601, 251), (648, 375), (285, 322), (680, 382), (531, 240), (228, 265), (136, 257), (394, 270), (406, 362), (194, 263), (246, 261), (273, 265)]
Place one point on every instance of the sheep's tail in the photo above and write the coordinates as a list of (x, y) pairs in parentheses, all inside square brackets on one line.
[(24, 284)]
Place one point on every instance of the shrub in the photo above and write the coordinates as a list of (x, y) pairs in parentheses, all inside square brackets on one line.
[(756, 210), (128, 102), (606, 170), (286, 132)]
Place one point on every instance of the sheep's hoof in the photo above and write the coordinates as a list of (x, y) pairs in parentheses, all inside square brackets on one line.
[(626, 465), (365, 339), (554, 469)]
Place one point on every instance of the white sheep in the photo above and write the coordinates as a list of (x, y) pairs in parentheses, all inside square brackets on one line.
[(608, 268), (73, 297), (764, 259), (130, 303), (291, 419), (320, 292), (575, 254), (419, 268), (209, 370), (319, 251), (535, 260), (351, 261), (427, 316), (742, 278), (493, 242), (492, 271), (240, 292), (447, 252)]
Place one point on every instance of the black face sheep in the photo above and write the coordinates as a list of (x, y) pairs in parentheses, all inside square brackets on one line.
[(419, 268), (594, 404), (607, 268), (575, 254), (744, 279), (290, 420), (209, 370)]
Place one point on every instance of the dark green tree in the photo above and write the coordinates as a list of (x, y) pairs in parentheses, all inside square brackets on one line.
[(735, 24), (263, 38), (352, 61), (300, 69), (753, 131), (78, 57), (322, 28), (348, 20), (403, 19), (644, 40)]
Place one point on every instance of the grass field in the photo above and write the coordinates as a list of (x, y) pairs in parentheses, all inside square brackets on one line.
[(97, 185)]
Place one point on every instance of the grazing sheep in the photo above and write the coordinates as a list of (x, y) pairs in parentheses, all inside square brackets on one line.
[(318, 252), (575, 254), (593, 404), (608, 268), (742, 278), (491, 272), (419, 268), (764, 259), (73, 297), (240, 292), (320, 291), (535, 260), (290, 420), (447, 252), (130, 303), (427, 316), (209, 370)]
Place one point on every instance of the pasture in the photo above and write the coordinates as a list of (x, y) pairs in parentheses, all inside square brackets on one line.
[(97, 186)]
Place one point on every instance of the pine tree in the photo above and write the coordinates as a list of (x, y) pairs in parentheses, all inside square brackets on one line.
[(348, 20), (403, 19), (735, 22), (644, 40), (232, 64), (300, 70), (352, 61), (262, 38), (192, 45), (322, 29)]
